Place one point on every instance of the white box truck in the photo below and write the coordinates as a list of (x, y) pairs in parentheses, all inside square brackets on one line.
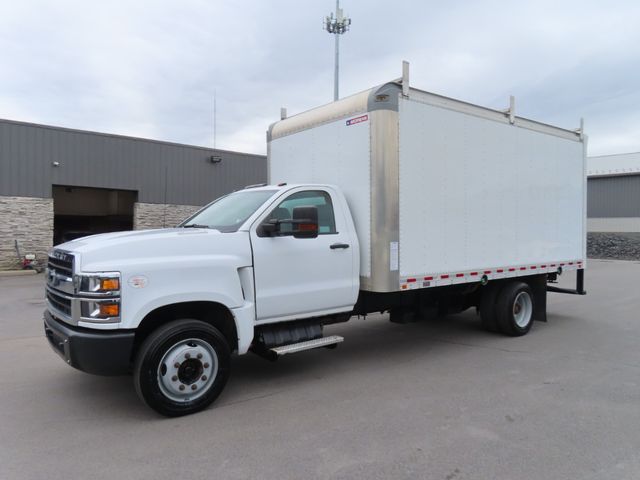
[(391, 200)]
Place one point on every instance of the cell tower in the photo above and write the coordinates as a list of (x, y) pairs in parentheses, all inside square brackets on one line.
[(337, 26)]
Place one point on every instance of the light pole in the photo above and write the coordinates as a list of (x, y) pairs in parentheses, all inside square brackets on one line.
[(337, 26)]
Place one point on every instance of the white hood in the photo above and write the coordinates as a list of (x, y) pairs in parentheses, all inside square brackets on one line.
[(112, 251)]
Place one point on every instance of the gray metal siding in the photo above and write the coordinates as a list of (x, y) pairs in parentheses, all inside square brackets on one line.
[(87, 159), (617, 196)]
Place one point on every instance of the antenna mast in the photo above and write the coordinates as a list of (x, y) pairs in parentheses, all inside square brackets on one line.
[(337, 26)]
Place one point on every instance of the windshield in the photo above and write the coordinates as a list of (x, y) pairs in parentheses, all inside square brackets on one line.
[(229, 212)]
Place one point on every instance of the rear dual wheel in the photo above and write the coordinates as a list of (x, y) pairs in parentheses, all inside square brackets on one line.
[(508, 308), (182, 367)]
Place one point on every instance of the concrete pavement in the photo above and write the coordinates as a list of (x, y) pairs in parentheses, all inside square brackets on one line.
[(435, 400)]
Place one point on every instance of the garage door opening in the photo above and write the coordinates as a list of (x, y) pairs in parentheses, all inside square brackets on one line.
[(82, 211)]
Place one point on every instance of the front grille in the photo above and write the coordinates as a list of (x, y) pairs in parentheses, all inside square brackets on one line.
[(59, 302), (61, 262)]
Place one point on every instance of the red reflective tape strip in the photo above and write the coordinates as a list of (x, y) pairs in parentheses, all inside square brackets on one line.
[(512, 269), (562, 264), (523, 268), (570, 263), (489, 271), (411, 280), (474, 273), (552, 265), (500, 270), (533, 267), (428, 278), (459, 275), (444, 276), (543, 266)]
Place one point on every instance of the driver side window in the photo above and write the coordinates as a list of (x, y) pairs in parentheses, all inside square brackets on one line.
[(313, 198)]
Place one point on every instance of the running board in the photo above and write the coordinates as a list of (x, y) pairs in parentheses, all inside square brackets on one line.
[(331, 341)]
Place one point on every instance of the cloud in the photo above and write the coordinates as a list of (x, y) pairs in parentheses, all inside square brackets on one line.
[(150, 68)]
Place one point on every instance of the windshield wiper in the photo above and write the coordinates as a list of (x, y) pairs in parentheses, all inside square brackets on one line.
[(195, 225)]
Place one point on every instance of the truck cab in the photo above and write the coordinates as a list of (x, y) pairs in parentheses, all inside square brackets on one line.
[(259, 256)]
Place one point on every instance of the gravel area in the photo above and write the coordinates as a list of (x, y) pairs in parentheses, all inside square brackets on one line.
[(618, 246)]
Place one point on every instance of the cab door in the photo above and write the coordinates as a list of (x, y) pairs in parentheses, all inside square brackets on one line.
[(304, 277)]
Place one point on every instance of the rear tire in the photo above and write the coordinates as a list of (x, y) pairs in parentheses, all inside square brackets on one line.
[(182, 367), (515, 309)]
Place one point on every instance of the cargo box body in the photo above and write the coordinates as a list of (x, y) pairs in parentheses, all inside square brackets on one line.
[(441, 191)]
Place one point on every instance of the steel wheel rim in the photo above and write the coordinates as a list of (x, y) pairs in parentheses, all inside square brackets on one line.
[(522, 309), (187, 370)]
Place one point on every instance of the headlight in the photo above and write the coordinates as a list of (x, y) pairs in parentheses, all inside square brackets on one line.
[(106, 283), (99, 297)]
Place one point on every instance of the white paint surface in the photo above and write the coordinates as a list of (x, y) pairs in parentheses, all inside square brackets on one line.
[(476, 193), (333, 153)]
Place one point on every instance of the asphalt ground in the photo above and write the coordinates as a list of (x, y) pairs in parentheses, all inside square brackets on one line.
[(434, 400)]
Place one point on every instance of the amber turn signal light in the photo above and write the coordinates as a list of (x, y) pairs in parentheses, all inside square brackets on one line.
[(109, 309), (109, 284)]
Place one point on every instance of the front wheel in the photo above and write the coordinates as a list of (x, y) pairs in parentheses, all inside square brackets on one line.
[(182, 367)]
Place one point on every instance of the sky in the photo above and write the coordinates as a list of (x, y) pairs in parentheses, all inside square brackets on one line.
[(150, 68)]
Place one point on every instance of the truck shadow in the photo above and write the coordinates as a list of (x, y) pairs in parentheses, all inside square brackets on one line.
[(370, 345), (375, 343)]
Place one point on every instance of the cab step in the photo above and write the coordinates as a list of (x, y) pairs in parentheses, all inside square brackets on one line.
[(330, 341)]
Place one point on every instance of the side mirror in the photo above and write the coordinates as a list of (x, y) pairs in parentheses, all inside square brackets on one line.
[(269, 229), (305, 222)]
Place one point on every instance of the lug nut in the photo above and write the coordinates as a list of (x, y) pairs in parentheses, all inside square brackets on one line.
[(181, 387), (187, 355), (174, 378), (206, 365), (194, 386), (203, 378), (176, 365), (199, 356)]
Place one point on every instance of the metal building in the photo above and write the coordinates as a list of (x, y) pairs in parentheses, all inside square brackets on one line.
[(58, 183), (613, 189)]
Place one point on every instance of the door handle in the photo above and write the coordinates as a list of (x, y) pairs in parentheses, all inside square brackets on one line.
[(339, 245)]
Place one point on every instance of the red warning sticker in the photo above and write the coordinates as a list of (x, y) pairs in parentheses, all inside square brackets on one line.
[(360, 119)]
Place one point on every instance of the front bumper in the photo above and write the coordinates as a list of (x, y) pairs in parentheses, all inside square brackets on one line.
[(98, 352)]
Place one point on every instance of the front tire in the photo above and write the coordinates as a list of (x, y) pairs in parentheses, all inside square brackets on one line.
[(182, 367), (515, 309)]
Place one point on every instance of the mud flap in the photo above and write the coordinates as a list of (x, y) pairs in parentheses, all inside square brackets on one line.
[(538, 284)]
